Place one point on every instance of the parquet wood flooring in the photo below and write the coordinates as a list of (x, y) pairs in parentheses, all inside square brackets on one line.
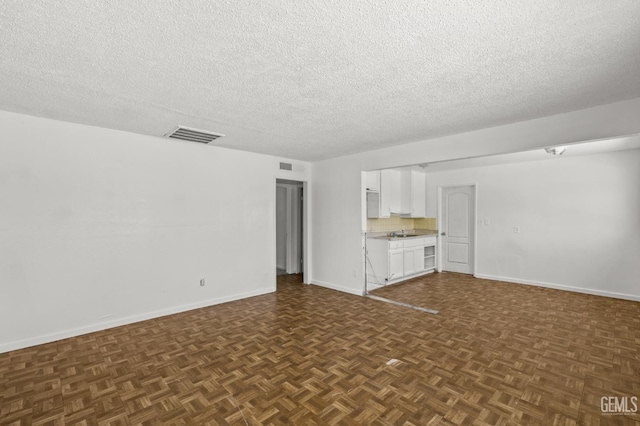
[(497, 353)]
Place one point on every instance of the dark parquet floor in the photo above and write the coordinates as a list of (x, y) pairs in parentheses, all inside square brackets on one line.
[(497, 353)]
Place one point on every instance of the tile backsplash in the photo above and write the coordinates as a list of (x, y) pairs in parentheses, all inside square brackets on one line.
[(396, 223), (425, 223)]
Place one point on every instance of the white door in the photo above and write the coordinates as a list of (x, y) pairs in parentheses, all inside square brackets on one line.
[(458, 229)]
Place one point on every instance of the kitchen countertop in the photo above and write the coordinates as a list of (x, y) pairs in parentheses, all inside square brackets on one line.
[(409, 235)]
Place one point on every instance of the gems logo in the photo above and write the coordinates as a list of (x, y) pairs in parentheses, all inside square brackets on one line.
[(619, 404)]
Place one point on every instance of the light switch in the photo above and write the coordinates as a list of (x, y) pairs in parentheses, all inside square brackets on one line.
[(487, 222)]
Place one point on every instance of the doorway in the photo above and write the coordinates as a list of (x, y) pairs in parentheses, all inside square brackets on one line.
[(457, 228), (289, 227)]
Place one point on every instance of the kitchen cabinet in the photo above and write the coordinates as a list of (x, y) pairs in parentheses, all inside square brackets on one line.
[(396, 191), (373, 205), (372, 183), (373, 180), (429, 253), (413, 192), (383, 193), (384, 261), (393, 260), (413, 260), (396, 264), (389, 192), (413, 255)]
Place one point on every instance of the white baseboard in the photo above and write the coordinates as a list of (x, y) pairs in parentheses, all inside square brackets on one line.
[(624, 296), (52, 337), (338, 287)]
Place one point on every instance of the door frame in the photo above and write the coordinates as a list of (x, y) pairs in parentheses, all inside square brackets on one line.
[(305, 268), (286, 225), (474, 231)]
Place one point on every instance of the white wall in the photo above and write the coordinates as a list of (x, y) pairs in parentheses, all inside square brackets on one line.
[(338, 200), (339, 217), (100, 227), (579, 221)]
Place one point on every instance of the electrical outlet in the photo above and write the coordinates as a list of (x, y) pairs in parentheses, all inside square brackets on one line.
[(202, 282), (355, 272), (516, 229)]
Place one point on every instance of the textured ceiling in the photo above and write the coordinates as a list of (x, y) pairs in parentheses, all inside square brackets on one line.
[(317, 78)]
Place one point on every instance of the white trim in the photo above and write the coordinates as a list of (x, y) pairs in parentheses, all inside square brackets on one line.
[(338, 287), (293, 229), (440, 248), (364, 220), (292, 259), (289, 236), (73, 332), (274, 233), (475, 227), (614, 295), (306, 232)]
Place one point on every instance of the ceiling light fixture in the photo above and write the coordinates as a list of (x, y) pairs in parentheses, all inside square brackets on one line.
[(556, 150)]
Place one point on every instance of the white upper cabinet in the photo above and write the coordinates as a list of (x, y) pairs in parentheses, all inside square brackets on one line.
[(374, 207), (389, 192), (396, 191), (373, 180), (413, 192)]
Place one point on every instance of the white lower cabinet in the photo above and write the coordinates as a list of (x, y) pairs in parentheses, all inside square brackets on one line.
[(396, 264), (413, 255), (390, 260), (413, 260), (430, 257)]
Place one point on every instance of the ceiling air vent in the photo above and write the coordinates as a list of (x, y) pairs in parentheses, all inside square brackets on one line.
[(286, 166), (192, 135)]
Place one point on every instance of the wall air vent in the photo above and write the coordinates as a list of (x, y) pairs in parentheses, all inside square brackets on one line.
[(286, 166), (192, 135)]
